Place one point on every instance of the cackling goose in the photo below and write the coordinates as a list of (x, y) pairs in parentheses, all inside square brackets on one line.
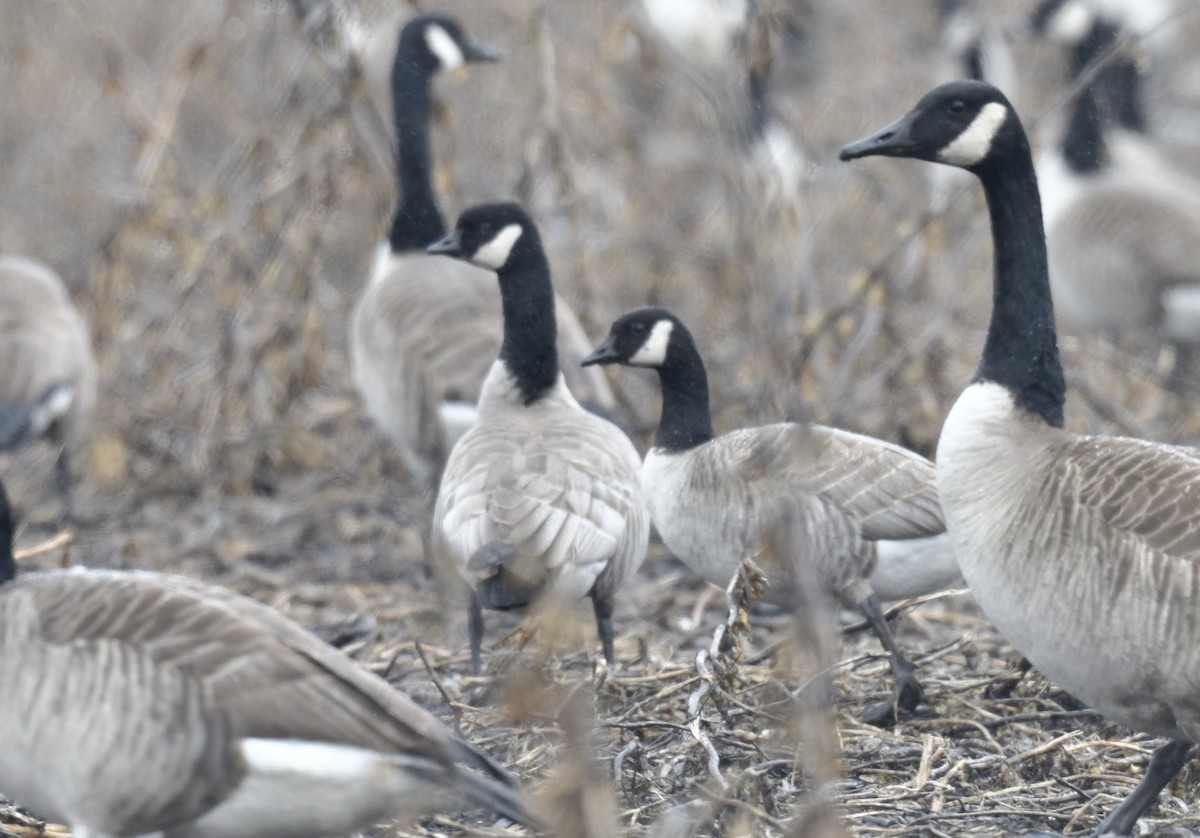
[(713, 499), (540, 496)]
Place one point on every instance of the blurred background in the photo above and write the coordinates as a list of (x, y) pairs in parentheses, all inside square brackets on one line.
[(210, 178)]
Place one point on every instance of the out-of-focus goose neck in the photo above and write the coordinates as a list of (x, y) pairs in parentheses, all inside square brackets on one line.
[(1021, 350), (417, 221), (8, 565), (1083, 147)]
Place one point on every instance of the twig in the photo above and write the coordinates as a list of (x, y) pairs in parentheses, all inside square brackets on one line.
[(62, 540), (441, 688)]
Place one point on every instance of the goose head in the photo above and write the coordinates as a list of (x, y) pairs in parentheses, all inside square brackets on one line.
[(1065, 21), (437, 43), (492, 236), (962, 123), (643, 337)]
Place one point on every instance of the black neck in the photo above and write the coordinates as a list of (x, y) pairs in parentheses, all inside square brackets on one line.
[(1099, 40), (757, 99), (1126, 80), (1021, 350), (8, 567), (1083, 146), (686, 420), (973, 59), (417, 221), (530, 333)]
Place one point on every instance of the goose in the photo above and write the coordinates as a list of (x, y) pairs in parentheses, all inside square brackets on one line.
[(1083, 550), (49, 383), (734, 36), (540, 496), (426, 328), (138, 704), (1124, 248), (1119, 86), (711, 497)]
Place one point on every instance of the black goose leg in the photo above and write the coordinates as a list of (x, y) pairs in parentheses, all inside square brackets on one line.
[(908, 691), (603, 606), (475, 630), (1164, 764)]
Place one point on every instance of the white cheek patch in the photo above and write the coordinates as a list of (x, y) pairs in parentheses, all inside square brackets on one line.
[(495, 253), (973, 144), (1070, 23), (653, 352), (448, 53)]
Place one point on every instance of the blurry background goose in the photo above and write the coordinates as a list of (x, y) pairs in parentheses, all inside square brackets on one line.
[(48, 382), (426, 328)]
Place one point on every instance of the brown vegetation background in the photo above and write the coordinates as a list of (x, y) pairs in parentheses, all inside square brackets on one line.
[(211, 178)]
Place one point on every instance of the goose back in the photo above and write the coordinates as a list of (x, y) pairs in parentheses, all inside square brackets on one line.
[(1117, 248), (553, 481)]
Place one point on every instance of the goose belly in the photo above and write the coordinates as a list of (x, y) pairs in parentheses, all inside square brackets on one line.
[(699, 519), (302, 789), (1078, 601)]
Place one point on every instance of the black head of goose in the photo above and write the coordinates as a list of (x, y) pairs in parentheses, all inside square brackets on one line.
[(717, 499), (540, 497), (49, 380), (140, 703), (1084, 551)]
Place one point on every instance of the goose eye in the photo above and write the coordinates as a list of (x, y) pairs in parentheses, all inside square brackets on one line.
[(957, 106)]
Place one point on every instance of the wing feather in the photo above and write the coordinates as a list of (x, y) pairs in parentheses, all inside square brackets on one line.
[(557, 484)]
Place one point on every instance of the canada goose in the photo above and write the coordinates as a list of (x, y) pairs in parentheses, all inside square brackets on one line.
[(540, 496), (1120, 90), (1084, 551), (734, 36), (136, 703), (978, 48), (49, 380), (710, 497), (1124, 249), (427, 328), (974, 48)]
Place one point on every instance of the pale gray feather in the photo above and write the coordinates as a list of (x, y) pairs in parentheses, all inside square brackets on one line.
[(1118, 247), (554, 482), (1085, 552), (119, 681)]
